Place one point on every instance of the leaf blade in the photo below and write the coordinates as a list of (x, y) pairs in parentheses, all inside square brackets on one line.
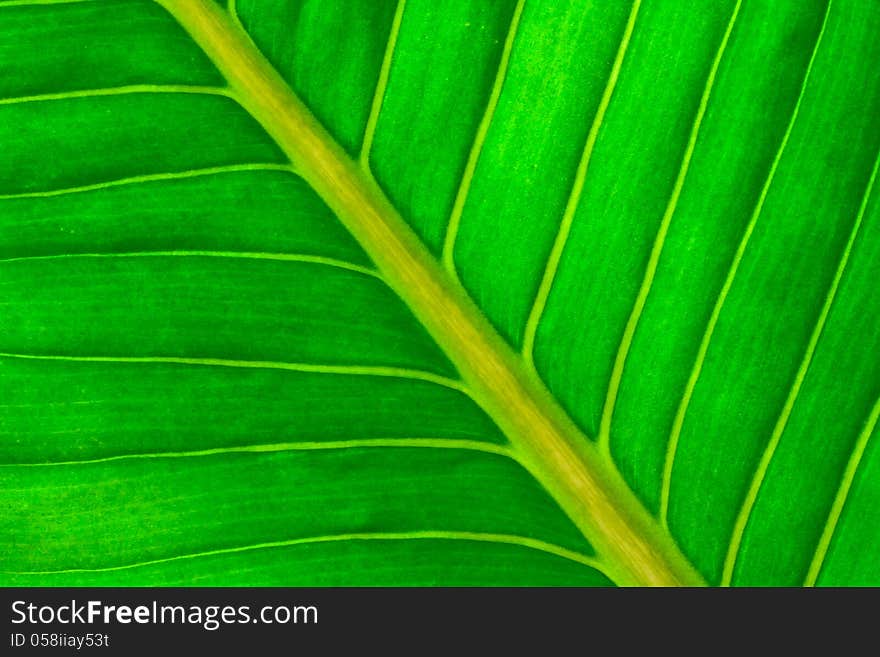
[(107, 244)]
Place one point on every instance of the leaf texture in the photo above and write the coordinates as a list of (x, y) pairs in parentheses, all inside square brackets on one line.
[(659, 221)]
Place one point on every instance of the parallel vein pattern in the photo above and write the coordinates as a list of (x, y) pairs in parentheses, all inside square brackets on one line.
[(657, 248), (728, 282), (388, 292), (758, 478)]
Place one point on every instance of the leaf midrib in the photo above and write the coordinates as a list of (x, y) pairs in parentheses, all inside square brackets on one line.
[(584, 482)]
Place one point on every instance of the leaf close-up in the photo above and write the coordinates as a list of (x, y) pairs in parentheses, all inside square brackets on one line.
[(414, 293)]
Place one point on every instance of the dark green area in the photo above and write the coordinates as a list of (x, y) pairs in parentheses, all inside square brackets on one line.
[(57, 144), (91, 45), (249, 211), (208, 307), (74, 411)]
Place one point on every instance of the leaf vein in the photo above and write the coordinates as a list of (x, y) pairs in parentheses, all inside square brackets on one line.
[(593, 495), (248, 255), (121, 91), (381, 86), (357, 370), (507, 539), (849, 475), (153, 177), (26, 3), (304, 446)]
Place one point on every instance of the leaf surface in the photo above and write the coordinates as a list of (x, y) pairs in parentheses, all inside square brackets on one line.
[(508, 293)]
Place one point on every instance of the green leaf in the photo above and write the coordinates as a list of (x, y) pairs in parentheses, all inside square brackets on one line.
[(527, 292)]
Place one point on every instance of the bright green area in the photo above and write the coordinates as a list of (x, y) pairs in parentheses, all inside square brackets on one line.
[(781, 285), (618, 214), (724, 181), (141, 510), (838, 396), (560, 60), (100, 470), (451, 94), (852, 556)]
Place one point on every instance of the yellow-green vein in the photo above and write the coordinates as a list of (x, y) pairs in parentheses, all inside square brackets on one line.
[(849, 475), (244, 255), (302, 446), (26, 3), (508, 539), (357, 370), (153, 177), (381, 86), (120, 91)]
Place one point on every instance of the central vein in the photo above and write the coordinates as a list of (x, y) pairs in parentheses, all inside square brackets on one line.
[(584, 483)]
